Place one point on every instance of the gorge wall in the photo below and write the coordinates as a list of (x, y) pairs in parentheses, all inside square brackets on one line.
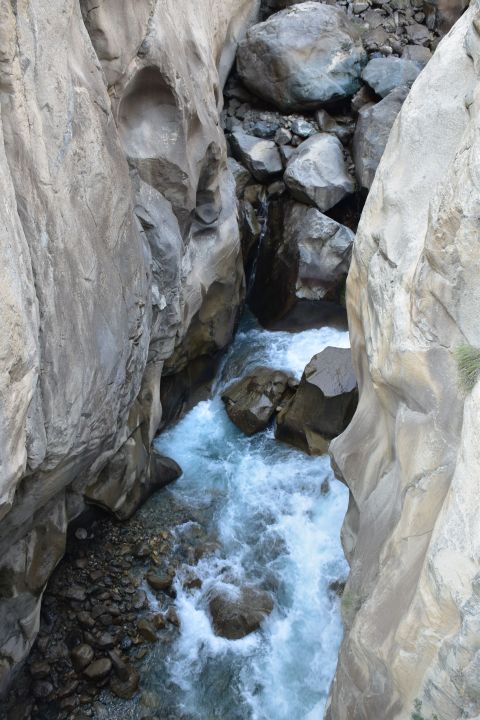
[(120, 258), (411, 454)]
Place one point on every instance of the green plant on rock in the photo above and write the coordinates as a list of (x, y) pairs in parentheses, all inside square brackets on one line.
[(468, 363), (417, 713)]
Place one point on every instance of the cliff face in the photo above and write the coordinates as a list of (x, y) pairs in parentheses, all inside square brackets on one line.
[(411, 455), (119, 251)]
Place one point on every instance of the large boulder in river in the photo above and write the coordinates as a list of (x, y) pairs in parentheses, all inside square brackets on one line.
[(302, 57), (251, 402), (316, 173), (239, 612), (371, 134), (323, 405), (304, 256), (260, 157), (386, 73)]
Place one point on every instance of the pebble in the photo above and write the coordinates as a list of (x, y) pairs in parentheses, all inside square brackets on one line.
[(98, 669), (159, 582), (81, 656), (147, 630)]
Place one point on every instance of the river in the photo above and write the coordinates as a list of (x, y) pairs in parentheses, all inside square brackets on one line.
[(273, 515)]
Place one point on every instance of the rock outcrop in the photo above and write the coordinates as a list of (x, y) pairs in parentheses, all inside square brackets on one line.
[(411, 454), (120, 253), (323, 404)]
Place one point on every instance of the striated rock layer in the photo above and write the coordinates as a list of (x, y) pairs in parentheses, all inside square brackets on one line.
[(411, 455), (120, 257)]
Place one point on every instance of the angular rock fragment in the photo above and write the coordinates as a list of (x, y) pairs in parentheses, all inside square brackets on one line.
[(385, 74), (323, 405), (261, 157), (316, 173), (371, 134), (251, 402)]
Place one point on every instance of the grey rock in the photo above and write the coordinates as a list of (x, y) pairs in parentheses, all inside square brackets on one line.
[(418, 34), (241, 175), (323, 404), (316, 174), (261, 157), (239, 613), (417, 53), (264, 129), (302, 57), (385, 74), (283, 136), (81, 656), (342, 130), (251, 402), (303, 128), (372, 132)]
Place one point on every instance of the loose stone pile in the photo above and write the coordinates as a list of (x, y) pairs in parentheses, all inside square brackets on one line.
[(308, 112), (98, 620)]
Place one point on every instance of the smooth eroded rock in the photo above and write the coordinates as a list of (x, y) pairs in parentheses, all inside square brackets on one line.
[(323, 404), (251, 402), (240, 612), (302, 57), (316, 173)]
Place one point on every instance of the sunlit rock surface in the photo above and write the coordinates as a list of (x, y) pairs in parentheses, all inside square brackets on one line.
[(411, 453), (120, 253)]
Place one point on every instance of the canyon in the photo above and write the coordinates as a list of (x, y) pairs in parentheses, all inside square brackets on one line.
[(163, 166)]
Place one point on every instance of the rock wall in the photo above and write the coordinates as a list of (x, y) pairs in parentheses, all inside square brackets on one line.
[(411, 454), (120, 254)]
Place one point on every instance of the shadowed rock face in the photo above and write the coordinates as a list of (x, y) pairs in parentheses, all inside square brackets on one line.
[(411, 453), (120, 257)]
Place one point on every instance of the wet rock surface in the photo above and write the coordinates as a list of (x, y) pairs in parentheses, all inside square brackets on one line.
[(252, 401), (240, 613), (109, 600), (323, 404)]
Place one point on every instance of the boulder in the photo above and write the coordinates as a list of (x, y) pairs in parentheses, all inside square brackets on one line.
[(385, 74), (305, 256), (316, 173), (98, 669), (371, 134), (240, 612), (240, 174), (261, 157), (302, 57), (323, 405), (251, 402)]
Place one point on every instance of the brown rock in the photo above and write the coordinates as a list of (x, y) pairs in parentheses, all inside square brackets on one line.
[(323, 405), (98, 669), (237, 615), (147, 630), (250, 403)]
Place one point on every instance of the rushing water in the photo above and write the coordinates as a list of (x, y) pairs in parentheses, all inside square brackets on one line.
[(274, 525)]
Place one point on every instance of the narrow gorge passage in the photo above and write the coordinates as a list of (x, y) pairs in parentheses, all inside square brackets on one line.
[(271, 516)]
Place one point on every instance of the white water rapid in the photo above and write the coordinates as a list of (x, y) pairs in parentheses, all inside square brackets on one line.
[(273, 516)]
